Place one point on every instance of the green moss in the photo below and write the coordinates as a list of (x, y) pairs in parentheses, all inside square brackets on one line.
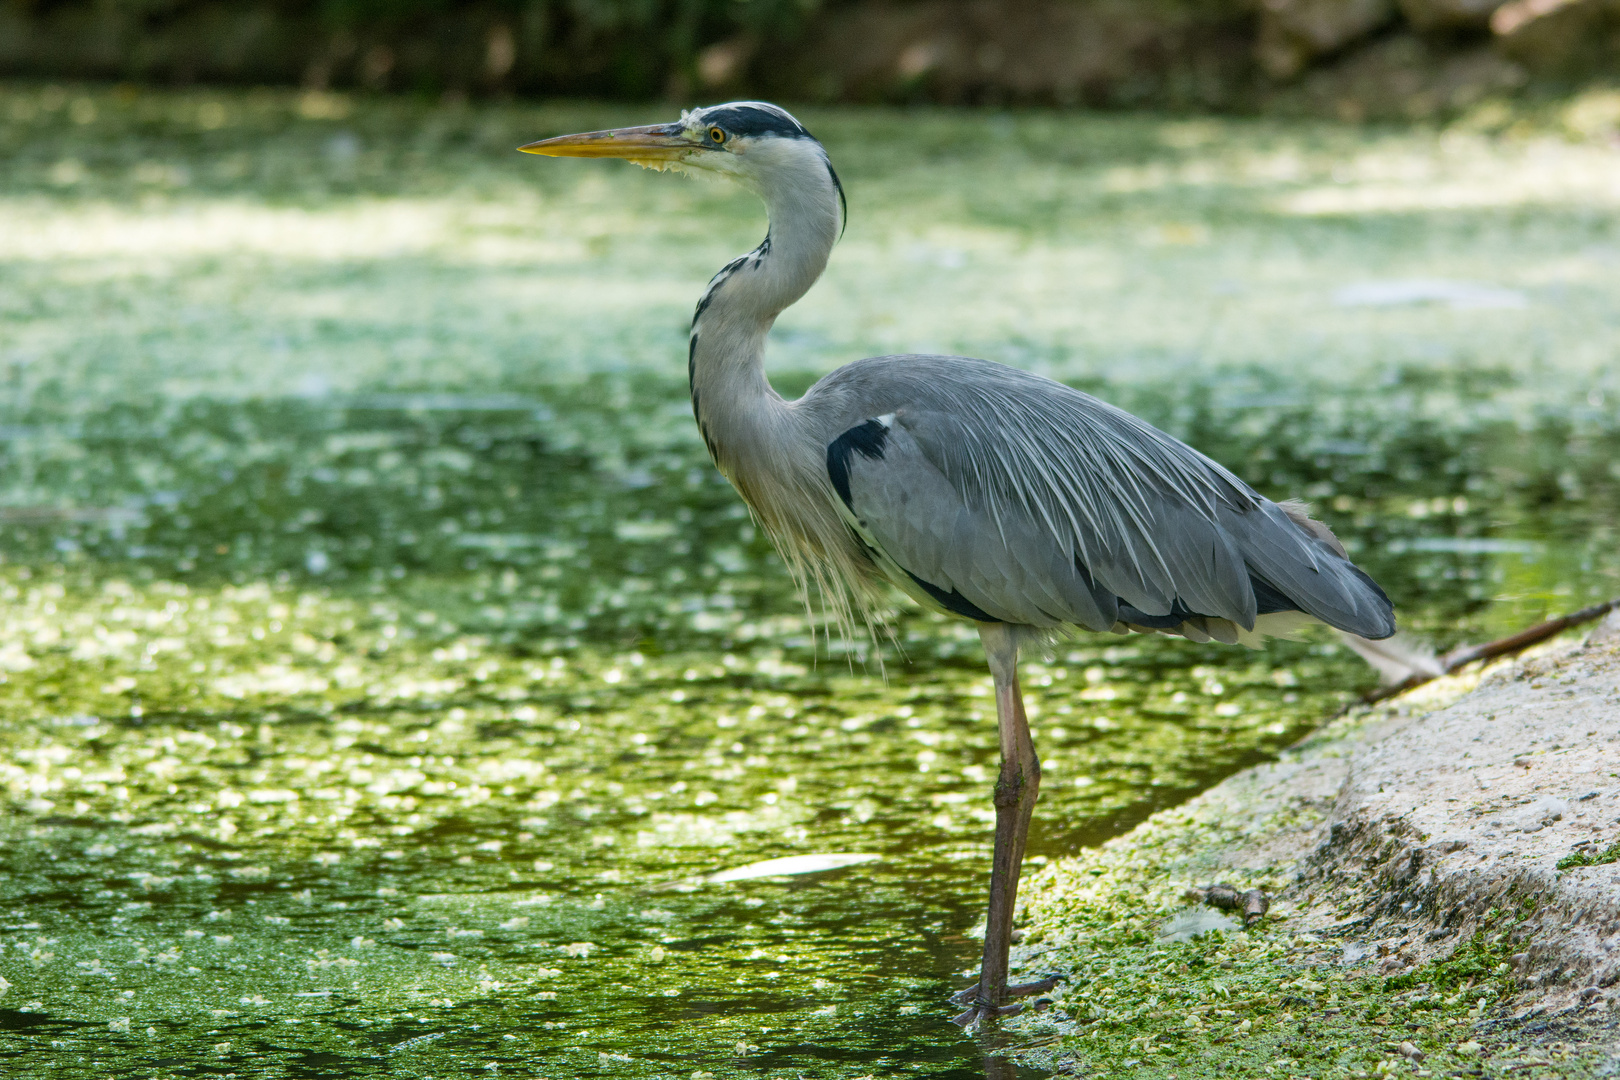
[(1590, 857), (1267, 1001)]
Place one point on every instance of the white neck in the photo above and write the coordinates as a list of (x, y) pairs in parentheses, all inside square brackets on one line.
[(731, 397)]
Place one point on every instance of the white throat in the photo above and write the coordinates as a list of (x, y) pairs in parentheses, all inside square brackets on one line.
[(735, 406)]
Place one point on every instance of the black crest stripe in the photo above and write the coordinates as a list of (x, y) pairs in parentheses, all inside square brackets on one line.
[(750, 120)]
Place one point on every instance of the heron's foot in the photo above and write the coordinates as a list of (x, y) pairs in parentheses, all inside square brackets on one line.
[(1039, 986), (980, 1011)]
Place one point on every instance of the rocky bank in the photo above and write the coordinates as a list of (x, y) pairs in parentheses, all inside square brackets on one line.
[(1457, 848)]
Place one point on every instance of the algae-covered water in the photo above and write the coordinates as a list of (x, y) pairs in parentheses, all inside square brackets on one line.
[(385, 667)]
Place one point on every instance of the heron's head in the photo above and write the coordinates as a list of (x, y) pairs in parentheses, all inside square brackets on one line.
[(753, 142)]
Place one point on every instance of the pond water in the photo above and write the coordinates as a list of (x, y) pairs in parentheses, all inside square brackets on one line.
[(385, 670)]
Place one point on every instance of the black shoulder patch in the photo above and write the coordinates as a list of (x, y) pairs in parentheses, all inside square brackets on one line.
[(953, 601), (869, 439), (748, 118)]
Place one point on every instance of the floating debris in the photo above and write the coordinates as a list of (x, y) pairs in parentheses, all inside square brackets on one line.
[(792, 865), (1194, 922), (1460, 295)]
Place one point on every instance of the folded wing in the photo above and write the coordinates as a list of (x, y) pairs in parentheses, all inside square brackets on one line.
[(1029, 502)]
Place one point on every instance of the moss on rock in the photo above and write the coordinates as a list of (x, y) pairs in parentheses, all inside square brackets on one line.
[(1358, 970)]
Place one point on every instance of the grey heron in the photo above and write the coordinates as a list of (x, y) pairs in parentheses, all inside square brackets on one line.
[(980, 490)]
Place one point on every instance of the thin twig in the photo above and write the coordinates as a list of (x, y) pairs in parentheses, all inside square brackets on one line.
[(1500, 647)]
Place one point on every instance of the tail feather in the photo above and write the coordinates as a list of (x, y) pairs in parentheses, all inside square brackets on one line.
[(1396, 658), (1302, 561)]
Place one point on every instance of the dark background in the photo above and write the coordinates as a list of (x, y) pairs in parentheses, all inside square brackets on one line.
[(1353, 59)]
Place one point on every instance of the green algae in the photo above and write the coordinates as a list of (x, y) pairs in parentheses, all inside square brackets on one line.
[(238, 811), (1590, 858), (1267, 1003), (384, 661)]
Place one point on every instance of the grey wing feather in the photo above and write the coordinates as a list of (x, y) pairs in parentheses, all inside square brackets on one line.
[(1309, 572), (1040, 504), (909, 512)]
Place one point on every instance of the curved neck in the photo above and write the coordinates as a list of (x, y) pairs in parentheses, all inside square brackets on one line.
[(731, 396)]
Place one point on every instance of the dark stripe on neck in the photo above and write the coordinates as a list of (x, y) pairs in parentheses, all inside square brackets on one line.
[(720, 278)]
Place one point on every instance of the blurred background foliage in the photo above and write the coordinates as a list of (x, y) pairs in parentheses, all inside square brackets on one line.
[(1354, 59), (584, 47)]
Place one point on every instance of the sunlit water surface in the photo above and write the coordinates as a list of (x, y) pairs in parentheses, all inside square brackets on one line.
[(385, 668)]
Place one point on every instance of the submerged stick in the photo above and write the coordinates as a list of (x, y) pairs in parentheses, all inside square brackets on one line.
[(1500, 647)]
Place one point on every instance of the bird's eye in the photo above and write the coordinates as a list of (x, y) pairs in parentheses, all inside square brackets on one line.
[(717, 135)]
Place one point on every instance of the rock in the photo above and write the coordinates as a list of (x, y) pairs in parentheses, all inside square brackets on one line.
[(1295, 32), (1606, 632), (1405, 77), (1411, 1053), (1386, 837), (958, 51), (1223, 896), (1431, 15), (1560, 38), (1542, 813), (1253, 904), (724, 63)]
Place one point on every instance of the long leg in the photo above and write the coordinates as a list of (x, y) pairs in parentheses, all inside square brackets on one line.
[(1016, 790)]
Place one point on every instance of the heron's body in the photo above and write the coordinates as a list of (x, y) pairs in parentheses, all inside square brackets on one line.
[(980, 490)]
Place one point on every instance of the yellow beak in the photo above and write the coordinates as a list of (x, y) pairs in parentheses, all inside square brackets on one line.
[(654, 146)]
